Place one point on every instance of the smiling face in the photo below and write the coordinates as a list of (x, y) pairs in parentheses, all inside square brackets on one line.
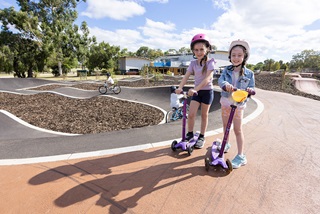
[(237, 55), (199, 50)]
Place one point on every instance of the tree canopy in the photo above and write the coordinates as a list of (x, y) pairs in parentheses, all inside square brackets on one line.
[(42, 34)]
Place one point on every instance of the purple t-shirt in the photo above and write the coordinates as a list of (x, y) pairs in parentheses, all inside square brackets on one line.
[(196, 70)]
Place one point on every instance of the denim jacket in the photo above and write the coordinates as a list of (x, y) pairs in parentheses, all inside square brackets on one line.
[(244, 82)]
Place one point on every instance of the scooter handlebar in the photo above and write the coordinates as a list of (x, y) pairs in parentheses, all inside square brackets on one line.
[(194, 94), (250, 91)]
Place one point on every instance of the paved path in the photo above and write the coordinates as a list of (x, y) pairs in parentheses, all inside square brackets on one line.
[(282, 174)]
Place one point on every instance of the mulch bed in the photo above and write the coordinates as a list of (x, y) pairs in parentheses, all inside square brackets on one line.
[(79, 116), (102, 114)]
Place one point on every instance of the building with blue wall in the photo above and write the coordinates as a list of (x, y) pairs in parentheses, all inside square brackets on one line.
[(178, 63)]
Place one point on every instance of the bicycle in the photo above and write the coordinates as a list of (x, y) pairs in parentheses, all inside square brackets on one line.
[(175, 114), (104, 88)]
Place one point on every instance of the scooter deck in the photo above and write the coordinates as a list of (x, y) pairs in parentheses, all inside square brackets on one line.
[(183, 145), (216, 160)]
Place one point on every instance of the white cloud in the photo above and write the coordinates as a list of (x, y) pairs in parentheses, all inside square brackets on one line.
[(274, 28), (129, 39), (155, 29), (114, 9)]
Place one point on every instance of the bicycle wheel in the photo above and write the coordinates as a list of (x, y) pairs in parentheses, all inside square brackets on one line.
[(180, 113), (116, 89), (169, 116), (103, 89)]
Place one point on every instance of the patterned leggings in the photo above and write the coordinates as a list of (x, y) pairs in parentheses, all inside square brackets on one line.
[(225, 112)]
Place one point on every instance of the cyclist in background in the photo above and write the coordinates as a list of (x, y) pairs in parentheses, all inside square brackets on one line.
[(175, 98), (110, 81)]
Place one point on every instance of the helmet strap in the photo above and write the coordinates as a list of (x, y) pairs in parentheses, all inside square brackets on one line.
[(235, 66)]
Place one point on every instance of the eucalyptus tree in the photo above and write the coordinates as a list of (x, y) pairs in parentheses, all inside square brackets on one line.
[(6, 57), (47, 22), (19, 54), (56, 18), (142, 51), (307, 59), (82, 43), (23, 45), (103, 56), (268, 63)]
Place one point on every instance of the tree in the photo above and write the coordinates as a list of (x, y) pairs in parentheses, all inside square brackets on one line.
[(307, 59), (250, 66), (268, 64), (23, 53), (259, 66), (275, 66), (50, 23), (143, 52), (83, 43), (103, 56), (184, 50), (153, 54), (6, 57), (172, 51)]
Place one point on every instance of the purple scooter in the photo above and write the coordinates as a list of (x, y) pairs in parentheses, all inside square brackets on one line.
[(185, 145), (217, 155)]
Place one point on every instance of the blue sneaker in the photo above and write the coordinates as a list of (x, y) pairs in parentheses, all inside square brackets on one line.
[(239, 160), (226, 148)]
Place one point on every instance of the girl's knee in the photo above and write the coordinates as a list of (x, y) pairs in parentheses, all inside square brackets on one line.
[(191, 116), (204, 116), (238, 131)]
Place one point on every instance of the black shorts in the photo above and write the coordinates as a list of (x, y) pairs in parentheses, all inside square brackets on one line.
[(204, 96)]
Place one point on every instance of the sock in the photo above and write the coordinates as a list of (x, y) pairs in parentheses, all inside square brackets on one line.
[(190, 134), (201, 135)]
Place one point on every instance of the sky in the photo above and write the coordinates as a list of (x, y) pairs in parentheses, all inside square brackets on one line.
[(274, 29)]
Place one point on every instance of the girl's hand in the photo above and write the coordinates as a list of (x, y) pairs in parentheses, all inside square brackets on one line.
[(229, 88), (191, 92), (251, 91), (178, 91)]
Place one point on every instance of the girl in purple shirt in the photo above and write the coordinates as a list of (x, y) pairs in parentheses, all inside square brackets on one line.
[(202, 69)]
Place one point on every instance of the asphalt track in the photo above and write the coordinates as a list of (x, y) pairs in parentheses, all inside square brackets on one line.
[(282, 175), (22, 143)]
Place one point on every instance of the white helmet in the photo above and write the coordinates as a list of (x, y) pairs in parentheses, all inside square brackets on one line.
[(242, 43)]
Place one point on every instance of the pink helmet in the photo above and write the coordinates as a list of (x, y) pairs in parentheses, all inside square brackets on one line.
[(200, 38)]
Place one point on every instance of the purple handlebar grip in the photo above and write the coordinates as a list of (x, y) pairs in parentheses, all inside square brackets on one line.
[(252, 92)]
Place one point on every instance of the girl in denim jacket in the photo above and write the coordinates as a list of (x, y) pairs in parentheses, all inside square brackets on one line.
[(236, 76)]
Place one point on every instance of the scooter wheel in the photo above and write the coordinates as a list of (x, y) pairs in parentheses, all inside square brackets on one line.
[(229, 164), (190, 150), (173, 145), (207, 163)]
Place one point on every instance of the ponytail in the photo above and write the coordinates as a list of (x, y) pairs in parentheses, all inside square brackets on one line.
[(204, 59), (242, 68)]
